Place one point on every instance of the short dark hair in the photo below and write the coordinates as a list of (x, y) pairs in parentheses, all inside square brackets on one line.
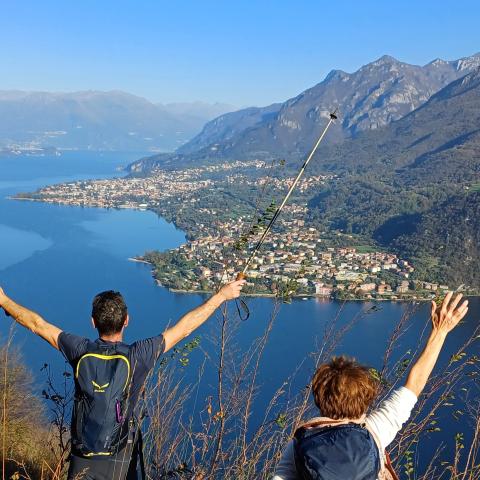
[(342, 388), (109, 312)]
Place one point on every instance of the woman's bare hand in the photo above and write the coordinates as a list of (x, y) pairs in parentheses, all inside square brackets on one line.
[(447, 316)]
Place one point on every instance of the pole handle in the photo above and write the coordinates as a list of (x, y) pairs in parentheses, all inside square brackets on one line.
[(241, 276)]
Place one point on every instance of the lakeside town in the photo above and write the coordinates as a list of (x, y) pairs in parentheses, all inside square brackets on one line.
[(296, 260)]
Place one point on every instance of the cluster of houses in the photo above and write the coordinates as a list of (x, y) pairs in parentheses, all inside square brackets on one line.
[(151, 192), (292, 251), (162, 187), (134, 193), (276, 183), (298, 252)]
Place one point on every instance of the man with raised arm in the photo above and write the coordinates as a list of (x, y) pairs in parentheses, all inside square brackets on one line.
[(109, 376), (347, 442)]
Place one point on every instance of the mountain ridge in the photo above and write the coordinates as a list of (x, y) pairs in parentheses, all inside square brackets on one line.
[(378, 93), (102, 120)]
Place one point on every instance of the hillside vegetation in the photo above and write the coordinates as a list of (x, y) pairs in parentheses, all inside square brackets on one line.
[(24, 427), (411, 186)]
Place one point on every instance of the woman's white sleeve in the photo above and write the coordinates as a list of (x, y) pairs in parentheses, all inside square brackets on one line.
[(387, 420)]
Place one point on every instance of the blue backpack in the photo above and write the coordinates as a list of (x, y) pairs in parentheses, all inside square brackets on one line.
[(99, 423), (346, 451)]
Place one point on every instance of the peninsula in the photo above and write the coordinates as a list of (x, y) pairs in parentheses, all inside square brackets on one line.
[(223, 208)]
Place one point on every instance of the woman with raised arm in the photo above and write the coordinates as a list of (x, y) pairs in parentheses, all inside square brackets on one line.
[(347, 442)]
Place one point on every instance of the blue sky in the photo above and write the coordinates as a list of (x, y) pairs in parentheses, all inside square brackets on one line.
[(243, 52)]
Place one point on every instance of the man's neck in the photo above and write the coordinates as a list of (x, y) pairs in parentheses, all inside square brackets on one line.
[(114, 337)]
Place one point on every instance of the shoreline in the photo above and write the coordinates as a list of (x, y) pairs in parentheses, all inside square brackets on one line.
[(138, 260), (305, 296), (309, 296), (250, 295)]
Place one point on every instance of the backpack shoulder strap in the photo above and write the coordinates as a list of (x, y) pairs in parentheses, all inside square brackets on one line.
[(324, 422), (377, 443), (387, 472), (319, 422)]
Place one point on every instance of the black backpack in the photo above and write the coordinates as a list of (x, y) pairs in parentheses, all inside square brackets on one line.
[(345, 451), (99, 423)]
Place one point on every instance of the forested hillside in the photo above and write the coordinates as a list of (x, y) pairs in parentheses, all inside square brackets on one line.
[(413, 186), (392, 183), (444, 242)]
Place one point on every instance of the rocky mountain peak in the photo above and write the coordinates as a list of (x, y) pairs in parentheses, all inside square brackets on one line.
[(377, 94), (438, 62), (467, 63), (336, 75), (385, 60)]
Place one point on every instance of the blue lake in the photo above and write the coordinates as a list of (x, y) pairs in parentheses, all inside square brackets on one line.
[(54, 259)]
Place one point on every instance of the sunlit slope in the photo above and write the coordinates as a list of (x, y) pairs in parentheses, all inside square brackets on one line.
[(414, 185), (370, 98)]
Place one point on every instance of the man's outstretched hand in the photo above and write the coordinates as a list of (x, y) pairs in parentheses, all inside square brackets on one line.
[(232, 290), (193, 319), (447, 316)]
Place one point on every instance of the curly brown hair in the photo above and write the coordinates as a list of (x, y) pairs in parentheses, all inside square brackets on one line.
[(343, 388), (109, 312)]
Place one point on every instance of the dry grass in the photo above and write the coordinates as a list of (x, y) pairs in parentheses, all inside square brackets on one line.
[(220, 440), (25, 427)]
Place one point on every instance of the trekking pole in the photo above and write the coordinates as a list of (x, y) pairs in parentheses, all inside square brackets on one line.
[(242, 275)]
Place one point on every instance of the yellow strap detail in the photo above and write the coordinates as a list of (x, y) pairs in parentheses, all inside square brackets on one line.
[(105, 454), (105, 357)]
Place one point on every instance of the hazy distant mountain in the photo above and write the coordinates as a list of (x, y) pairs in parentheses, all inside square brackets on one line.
[(370, 98), (200, 110), (99, 120), (230, 125)]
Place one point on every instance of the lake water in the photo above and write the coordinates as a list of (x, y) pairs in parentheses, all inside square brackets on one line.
[(54, 259)]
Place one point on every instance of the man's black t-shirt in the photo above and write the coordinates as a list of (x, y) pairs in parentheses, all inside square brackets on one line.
[(142, 357)]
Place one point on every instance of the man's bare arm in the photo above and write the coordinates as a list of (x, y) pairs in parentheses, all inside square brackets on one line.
[(444, 319), (31, 320), (196, 317)]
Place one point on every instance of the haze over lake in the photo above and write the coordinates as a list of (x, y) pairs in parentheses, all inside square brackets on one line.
[(54, 259)]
